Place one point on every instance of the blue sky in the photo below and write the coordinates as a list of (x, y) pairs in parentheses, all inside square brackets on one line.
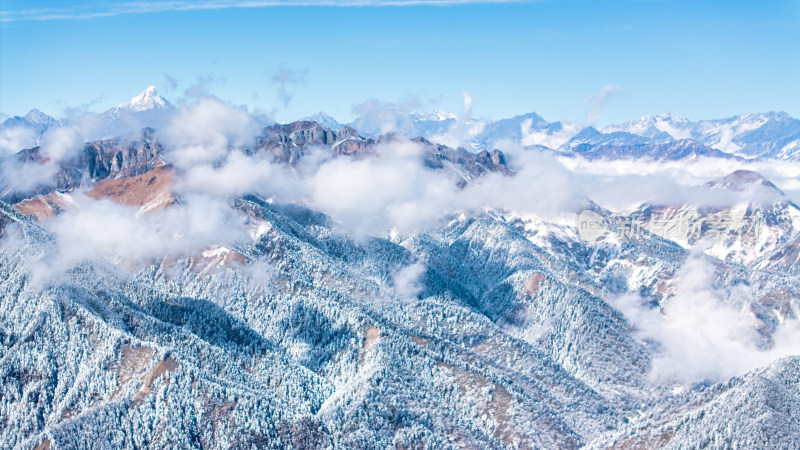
[(699, 59)]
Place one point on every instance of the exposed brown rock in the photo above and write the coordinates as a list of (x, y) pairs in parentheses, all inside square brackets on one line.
[(161, 369), (371, 338), (151, 190), (213, 259), (134, 360), (531, 285), (44, 206)]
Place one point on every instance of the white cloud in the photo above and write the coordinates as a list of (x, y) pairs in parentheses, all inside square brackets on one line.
[(381, 118), (61, 143), (599, 100), (622, 185), (287, 80), (58, 144), (464, 130), (14, 139), (20, 176), (260, 273), (406, 280), (238, 174), (541, 186), (392, 190), (705, 333), (205, 131), (104, 230), (467, 104), (547, 138)]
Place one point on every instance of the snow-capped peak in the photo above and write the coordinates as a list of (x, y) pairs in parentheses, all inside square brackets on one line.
[(662, 126), (146, 100), (37, 117), (745, 180), (669, 117), (324, 119), (435, 116)]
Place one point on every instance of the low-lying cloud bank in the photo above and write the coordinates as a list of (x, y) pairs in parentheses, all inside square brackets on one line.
[(207, 140), (103, 230)]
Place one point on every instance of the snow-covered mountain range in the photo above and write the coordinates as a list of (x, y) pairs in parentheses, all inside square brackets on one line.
[(408, 280), (768, 135), (772, 135)]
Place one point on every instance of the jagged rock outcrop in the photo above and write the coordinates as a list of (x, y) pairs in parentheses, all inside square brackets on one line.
[(287, 143), (100, 160)]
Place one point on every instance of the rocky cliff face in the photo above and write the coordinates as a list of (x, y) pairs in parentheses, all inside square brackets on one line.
[(100, 160), (288, 143), (471, 164), (133, 156), (116, 158)]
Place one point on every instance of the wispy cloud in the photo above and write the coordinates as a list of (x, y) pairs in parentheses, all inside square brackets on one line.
[(82, 12), (599, 100), (287, 80)]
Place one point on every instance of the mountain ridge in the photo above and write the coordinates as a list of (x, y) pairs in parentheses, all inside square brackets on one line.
[(770, 135)]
